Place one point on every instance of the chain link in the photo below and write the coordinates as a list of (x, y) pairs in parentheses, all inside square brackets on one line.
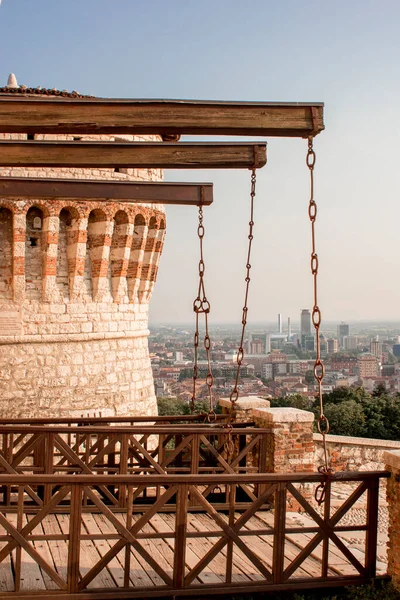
[(201, 305), (319, 371), (229, 445)]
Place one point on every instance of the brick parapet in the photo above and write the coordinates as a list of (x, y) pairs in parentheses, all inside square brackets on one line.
[(243, 408), (392, 460), (290, 445)]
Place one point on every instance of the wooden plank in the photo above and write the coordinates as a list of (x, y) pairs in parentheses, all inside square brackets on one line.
[(43, 549), (31, 576), (6, 574), (310, 567), (242, 568), (164, 525), (337, 563), (194, 117), (88, 558), (214, 571), (114, 568), (58, 548), (169, 155), (139, 577), (232, 533), (200, 479), (104, 191)]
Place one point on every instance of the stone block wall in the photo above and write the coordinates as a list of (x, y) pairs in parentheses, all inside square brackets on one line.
[(76, 278), (353, 453)]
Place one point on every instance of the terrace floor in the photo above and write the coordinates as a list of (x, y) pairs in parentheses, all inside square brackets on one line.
[(141, 574)]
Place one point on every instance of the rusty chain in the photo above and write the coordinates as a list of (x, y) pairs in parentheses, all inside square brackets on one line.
[(319, 371), (240, 355), (201, 305)]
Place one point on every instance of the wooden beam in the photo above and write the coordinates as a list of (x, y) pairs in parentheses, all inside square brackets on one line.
[(193, 117), (167, 155), (122, 191)]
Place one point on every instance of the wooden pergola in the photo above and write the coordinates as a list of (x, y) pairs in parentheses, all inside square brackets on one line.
[(108, 508), (94, 116)]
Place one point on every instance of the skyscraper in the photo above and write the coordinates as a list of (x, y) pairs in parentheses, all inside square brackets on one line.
[(305, 322), (342, 331), (289, 329), (305, 327), (279, 323)]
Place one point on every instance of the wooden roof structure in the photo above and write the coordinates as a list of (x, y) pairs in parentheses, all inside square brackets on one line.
[(76, 116)]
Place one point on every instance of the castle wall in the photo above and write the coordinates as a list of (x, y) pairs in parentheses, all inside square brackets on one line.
[(76, 278), (353, 453)]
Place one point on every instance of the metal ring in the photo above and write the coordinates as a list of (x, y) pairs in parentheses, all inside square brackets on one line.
[(310, 159), (316, 316), (312, 210), (323, 430), (234, 395)]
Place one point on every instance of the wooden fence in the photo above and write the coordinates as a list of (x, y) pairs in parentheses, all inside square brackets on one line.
[(120, 554), (139, 449)]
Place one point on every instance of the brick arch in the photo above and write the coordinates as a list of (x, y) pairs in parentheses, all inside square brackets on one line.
[(99, 231), (68, 223), (121, 243), (34, 252), (41, 205), (73, 210), (151, 258), (8, 205), (139, 236), (6, 253)]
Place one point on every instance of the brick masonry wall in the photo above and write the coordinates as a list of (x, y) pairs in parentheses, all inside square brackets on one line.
[(392, 460), (290, 446), (76, 278), (353, 454)]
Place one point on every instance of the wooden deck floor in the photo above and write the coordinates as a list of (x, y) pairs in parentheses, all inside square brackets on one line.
[(141, 574)]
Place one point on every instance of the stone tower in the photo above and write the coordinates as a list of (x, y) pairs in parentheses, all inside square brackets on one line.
[(76, 278)]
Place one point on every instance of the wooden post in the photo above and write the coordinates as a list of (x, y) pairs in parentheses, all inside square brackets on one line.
[(74, 543), (371, 538), (127, 565), (279, 535), (48, 464), (327, 516), (123, 469), (180, 536)]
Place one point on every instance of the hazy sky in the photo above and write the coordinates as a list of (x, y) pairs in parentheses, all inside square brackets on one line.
[(344, 53)]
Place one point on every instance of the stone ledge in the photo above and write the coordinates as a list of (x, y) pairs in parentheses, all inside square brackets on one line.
[(245, 403), (357, 441), (71, 337), (392, 458), (283, 415)]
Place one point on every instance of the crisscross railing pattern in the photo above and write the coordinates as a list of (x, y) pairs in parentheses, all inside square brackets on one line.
[(137, 450), (113, 552)]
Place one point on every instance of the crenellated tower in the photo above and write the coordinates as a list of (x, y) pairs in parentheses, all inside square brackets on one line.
[(76, 278)]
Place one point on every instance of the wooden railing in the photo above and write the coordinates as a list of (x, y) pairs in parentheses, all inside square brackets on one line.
[(120, 450), (119, 554), (116, 420)]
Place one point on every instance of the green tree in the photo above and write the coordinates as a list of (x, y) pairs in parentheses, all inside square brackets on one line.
[(346, 418)]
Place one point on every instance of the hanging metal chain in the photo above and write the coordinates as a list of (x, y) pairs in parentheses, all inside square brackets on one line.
[(240, 355), (201, 305), (319, 371)]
